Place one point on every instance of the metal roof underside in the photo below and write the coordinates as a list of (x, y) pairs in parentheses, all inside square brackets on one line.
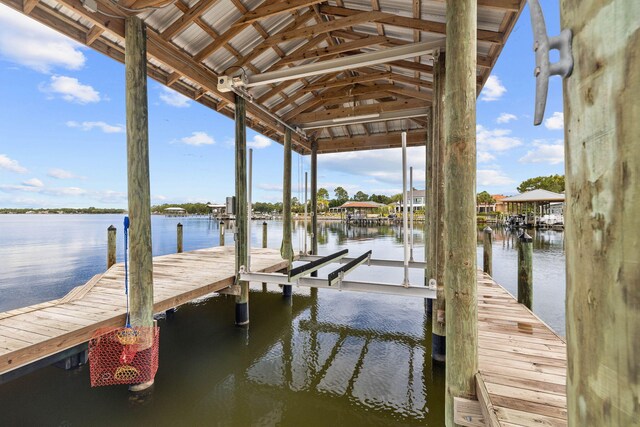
[(191, 42)]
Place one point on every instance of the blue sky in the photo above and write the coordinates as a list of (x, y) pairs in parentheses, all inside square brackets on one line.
[(62, 140)]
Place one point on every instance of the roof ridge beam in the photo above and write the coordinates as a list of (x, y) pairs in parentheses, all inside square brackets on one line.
[(267, 10)]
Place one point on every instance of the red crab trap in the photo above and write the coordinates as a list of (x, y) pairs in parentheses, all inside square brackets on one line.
[(127, 355)]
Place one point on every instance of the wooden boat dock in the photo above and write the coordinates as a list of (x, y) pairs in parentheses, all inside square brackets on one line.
[(522, 365), (39, 332)]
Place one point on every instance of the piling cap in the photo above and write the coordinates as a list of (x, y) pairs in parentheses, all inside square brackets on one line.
[(487, 229), (179, 224), (525, 238), (111, 228)]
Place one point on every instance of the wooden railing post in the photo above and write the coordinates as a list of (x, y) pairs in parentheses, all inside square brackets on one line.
[(179, 238), (487, 254), (221, 233), (243, 211), (286, 250), (111, 246), (525, 270)]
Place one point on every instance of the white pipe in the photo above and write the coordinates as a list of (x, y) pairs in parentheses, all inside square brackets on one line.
[(405, 212), (366, 118), (411, 214), (250, 169), (345, 63)]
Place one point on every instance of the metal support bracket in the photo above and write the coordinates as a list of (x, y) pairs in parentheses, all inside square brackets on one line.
[(544, 68)]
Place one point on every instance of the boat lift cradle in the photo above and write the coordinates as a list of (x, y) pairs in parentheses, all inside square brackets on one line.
[(336, 279)]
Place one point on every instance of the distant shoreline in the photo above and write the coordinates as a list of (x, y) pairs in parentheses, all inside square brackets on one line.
[(61, 211)]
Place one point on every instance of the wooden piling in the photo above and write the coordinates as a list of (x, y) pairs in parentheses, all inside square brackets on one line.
[(264, 234), (221, 233), (525, 270), (460, 204), (429, 256), (602, 219), (179, 238), (438, 323), (487, 253), (241, 208), (140, 256), (314, 198), (111, 246), (286, 249)]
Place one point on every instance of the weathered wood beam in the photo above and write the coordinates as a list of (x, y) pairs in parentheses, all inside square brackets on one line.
[(297, 95), (93, 35), (417, 24), (382, 96), (140, 266), (262, 47), (348, 81), (187, 18), (327, 27), (265, 11), (286, 248), (314, 199), (358, 110), (602, 154), (410, 93), (460, 233), (29, 5), (372, 142), (331, 50), (225, 37), (508, 5)]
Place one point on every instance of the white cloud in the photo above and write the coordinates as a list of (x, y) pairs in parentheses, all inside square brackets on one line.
[(104, 127), (506, 118), (26, 42), (492, 177), (495, 139), (71, 90), (198, 138), (29, 188), (484, 157), (258, 142), (270, 187), (555, 122), (493, 89), (552, 153), (33, 182), (384, 166), (11, 165), (61, 174), (173, 98)]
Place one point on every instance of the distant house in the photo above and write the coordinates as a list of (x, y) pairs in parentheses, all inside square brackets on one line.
[(418, 199), (175, 212), (497, 206), (360, 209)]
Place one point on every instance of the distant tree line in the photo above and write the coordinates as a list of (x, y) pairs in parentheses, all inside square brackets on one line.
[(90, 210)]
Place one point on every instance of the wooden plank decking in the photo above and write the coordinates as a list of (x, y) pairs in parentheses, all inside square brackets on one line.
[(32, 333), (522, 363)]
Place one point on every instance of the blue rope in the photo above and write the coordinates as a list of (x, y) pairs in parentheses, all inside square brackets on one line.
[(126, 265)]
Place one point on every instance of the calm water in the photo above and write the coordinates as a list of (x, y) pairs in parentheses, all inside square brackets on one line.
[(325, 358)]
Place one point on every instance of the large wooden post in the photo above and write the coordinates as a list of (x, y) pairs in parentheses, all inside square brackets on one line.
[(314, 198), (242, 300), (429, 257), (140, 265), (179, 234), (438, 323), (286, 250), (460, 203), (602, 154)]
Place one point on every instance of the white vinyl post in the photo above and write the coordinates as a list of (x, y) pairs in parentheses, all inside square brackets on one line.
[(405, 212), (249, 210), (411, 214)]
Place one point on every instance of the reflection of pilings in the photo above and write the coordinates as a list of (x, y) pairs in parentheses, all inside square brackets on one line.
[(322, 371), (403, 339), (356, 371)]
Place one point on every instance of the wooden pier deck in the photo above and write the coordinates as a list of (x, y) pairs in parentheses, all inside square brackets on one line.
[(522, 363), (36, 332)]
